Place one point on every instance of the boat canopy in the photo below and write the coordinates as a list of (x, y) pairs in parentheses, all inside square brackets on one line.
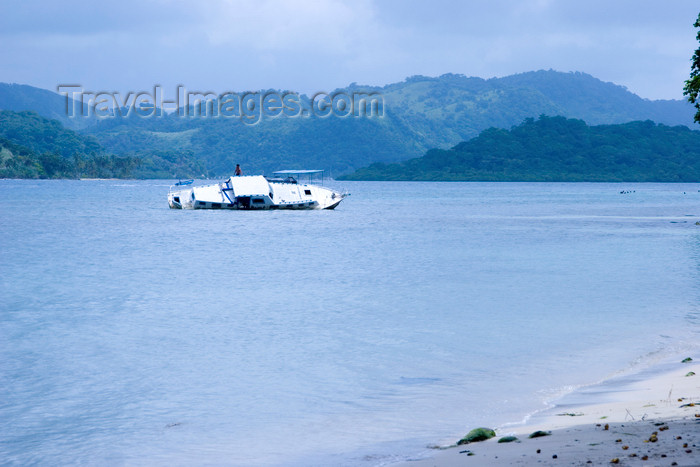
[(255, 185), (307, 174), (297, 172)]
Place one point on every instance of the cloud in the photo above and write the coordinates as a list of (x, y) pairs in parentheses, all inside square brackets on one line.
[(78, 18), (319, 45), (279, 25)]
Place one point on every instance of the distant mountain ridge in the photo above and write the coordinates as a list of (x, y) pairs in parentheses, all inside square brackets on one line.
[(603, 102), (48, 104), (420, 113), (457, 108)]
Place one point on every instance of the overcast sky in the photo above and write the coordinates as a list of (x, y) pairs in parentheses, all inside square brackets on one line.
[(309, 46)]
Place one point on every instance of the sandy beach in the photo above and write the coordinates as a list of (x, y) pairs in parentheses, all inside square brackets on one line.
[(650, 419)]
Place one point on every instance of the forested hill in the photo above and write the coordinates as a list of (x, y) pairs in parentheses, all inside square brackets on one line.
[(40, 134), (48, 104), (420, 113), (32, 146), (558, 149)]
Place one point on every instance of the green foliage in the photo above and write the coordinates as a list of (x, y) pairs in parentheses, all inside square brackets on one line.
[(20, 162), (692, 85), (558, 149), (335, 144), (41, 135), (32, 146)]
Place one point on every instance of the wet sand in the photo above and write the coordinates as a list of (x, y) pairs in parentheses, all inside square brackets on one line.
[(652, 420)]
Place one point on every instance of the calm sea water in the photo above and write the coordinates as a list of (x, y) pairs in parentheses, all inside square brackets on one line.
[(135, 334)]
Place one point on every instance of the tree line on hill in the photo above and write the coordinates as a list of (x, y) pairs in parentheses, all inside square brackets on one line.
[(32, 146), (557, 149), (21, 162)]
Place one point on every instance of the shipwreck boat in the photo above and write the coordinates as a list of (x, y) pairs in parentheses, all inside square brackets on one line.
[(283, 191)]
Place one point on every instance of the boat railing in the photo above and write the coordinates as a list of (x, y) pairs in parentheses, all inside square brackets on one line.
[(299, 176)]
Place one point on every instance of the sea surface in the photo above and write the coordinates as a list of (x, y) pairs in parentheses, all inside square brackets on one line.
[(132, 334)]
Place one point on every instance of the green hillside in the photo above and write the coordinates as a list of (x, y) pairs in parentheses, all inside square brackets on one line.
[(32, 146), (458, 108), (41, 135), (48, 104), (558, 149), (21, 162), (420, 113)]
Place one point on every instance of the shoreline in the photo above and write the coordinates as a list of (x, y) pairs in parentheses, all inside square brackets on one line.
[(655, 400)]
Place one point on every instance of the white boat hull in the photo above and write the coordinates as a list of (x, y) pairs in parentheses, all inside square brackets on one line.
[(254, 193)]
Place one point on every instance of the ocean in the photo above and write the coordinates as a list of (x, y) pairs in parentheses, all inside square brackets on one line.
[(132, 334)]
